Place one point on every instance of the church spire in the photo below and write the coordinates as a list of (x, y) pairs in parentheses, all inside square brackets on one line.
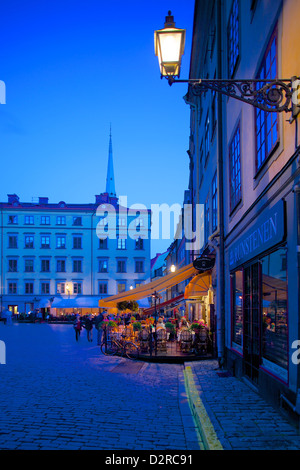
[(110, 179)]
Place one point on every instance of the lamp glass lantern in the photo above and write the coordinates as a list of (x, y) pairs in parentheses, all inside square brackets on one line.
[(169, 45)]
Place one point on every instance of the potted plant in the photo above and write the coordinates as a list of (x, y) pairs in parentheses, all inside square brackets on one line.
[(137, 326), (170, 329), (198, 325)]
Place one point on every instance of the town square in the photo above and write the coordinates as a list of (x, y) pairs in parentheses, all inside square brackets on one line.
[(150, 228)]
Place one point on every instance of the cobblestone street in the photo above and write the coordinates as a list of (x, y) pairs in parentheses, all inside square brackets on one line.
[(59, 394)]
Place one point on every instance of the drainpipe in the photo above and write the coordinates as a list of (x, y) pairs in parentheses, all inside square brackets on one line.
[(221, 277), (2, 282), (297, 196)]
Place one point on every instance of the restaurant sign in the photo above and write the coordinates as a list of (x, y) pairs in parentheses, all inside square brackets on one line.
[(268, 231)]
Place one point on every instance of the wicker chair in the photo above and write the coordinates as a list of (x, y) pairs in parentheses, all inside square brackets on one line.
[(161, 336), (186, 341), (144, 337), (201, 341)]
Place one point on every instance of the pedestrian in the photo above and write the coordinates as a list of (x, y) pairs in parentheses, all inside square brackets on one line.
[(98, 320), (77, 327), (89, 328)]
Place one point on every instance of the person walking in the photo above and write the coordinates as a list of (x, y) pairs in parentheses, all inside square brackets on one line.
[(77, 327), (98, 320), (89, 328)]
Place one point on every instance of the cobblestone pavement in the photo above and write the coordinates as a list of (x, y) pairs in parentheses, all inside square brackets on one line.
[(57, 393), (241, 419)]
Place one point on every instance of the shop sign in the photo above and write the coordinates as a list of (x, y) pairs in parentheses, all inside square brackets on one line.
[(268, 231), (204, 263)]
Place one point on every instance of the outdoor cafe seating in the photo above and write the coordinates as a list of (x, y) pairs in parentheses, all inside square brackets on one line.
[(158, 339)]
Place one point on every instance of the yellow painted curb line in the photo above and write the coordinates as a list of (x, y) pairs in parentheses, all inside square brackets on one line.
[(206, 429)]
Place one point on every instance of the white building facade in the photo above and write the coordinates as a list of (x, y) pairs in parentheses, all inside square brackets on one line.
[(53, 259)]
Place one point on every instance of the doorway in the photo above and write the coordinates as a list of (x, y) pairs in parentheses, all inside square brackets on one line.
[(252, 315)]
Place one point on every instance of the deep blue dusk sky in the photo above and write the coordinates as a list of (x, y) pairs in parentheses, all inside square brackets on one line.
[(72, 67)]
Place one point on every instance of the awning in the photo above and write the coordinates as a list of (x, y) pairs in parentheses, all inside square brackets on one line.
[(145, 290), (44, 303), (76, 302), (198, 286), (173, 301)]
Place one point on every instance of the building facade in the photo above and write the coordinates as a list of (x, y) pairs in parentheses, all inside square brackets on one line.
[(66, 257), (246, 172)]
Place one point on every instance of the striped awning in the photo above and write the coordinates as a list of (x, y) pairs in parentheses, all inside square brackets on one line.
[(198, 286), (146, 290)]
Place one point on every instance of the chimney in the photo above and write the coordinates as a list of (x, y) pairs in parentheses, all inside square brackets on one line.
[(13, 198), (43, 201)]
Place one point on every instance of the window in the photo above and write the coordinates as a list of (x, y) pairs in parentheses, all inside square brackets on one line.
[(77, 220), (121, 266), (28, 287), (121, 287), (139, 266), (206, 139), (61, 265), (266, 123), (29, 265), (206, 220), (139, 222), (103, 244), (201, 162), (45, 287), (12, 265), (12, 287), (77, 288), (12, 219), (103, 287), (61, 241), (214, 200), (77, 266), (139, 283), (29, 220), (61, 220), (122, 222), (45, 241), (235, 169), (60, 288), (214, 109), (237, 307), (139, 244), (274, 293), (77, 242), (12, 241), (233, 38), (121, 244), (45, 220), (45, 265), (29, 241), (103, 265)]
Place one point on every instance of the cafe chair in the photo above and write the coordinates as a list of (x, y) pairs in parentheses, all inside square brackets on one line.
[(161, 336), (186, 341)]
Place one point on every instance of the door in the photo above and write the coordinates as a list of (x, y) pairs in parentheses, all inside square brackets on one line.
[(252, 322)]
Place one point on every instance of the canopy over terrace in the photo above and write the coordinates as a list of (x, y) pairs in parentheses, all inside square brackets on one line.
[(146, 290), (198, 286)]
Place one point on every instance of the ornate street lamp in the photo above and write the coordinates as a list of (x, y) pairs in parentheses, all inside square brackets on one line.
[(275, 95), (169, 47)]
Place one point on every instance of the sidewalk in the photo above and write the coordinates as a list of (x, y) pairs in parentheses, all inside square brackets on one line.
[(231, 416)]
